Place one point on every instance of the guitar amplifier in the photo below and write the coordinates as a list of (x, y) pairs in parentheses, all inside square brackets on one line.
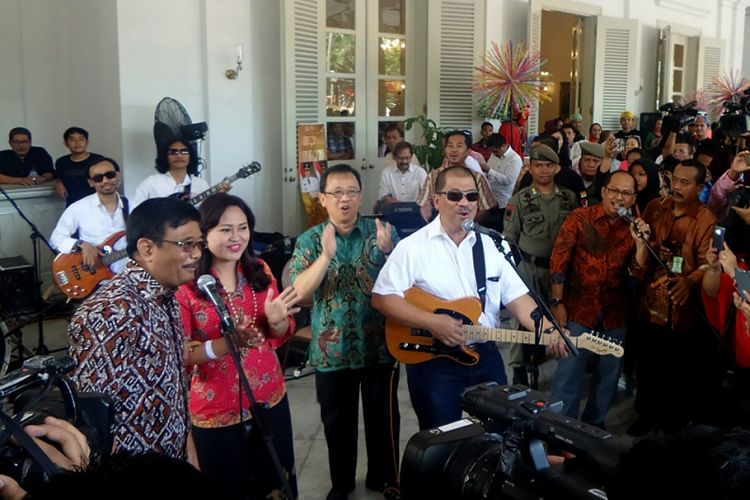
[(16, 285)]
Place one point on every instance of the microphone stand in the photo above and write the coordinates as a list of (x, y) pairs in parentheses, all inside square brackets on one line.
[(542, 310), (36, 236), (229, 332)]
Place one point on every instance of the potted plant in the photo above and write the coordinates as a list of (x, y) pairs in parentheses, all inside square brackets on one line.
[(430, 153)]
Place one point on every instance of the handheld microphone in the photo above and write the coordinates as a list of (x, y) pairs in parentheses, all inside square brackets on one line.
[(625, 214), (470, 225), (207, 285)]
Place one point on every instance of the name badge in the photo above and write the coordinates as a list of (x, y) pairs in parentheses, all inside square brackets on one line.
[(677, 262)]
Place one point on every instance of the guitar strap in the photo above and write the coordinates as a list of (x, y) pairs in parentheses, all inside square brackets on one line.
[(125, 209), (480, 272)]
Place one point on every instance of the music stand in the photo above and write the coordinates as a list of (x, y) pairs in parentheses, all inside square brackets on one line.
[(404, 216)]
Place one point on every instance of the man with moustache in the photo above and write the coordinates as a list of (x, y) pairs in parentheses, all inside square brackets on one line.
[(127, 338), (95, 217), (440, 259), (401, 182), (24, 164), (670, 371), (589, 276), (335, 263)]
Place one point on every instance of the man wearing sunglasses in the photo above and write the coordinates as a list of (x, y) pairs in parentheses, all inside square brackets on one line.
[(440, 259), (95, 217)]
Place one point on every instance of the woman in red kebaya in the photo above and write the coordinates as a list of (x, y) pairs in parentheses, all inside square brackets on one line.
[(228, 443)]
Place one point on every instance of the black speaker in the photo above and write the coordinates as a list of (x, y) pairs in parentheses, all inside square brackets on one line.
[(16, 285)]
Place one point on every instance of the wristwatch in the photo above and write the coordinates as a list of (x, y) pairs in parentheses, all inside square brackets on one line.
[(555, 301)]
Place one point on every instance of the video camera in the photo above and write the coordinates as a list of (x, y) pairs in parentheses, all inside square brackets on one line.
[(676, 117), (735, 120), (39, 389), (502, 452)]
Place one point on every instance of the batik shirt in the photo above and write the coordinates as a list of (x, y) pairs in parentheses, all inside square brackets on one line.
[(127, 342), (347, 331)]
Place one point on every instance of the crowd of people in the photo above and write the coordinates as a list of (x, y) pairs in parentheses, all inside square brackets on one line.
[(614, 231)]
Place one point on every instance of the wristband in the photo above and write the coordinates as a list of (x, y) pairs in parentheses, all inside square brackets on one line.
[(209, 350)]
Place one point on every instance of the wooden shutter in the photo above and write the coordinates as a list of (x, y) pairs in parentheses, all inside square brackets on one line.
[(664, 68), (455, 41), (534, 42), (303, 97), (614, 88)]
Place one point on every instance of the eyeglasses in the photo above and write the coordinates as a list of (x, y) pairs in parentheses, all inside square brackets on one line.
[(100, 177), (187, 246), (175, 151), (350, 193), (456, 195), (616, 192)]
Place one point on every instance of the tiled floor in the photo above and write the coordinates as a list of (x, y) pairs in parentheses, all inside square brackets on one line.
[(309, 440)]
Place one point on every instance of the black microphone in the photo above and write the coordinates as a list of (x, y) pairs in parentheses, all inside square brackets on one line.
[(207, 285), (470, 225), (625, 214)]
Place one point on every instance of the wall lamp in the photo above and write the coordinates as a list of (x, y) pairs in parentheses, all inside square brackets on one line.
[(234, 73)]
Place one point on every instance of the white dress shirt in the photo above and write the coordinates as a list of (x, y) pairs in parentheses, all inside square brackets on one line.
[(430, 260), (161, 185), (94, 224), (503, 174), (404, 186)]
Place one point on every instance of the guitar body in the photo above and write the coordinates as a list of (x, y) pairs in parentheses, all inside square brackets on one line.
[(414, 345), (77, 282)]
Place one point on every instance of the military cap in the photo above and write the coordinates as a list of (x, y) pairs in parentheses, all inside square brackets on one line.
[(544, 153), (592, 149)]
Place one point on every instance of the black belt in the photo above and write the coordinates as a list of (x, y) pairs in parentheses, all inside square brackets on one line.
[(537, 261)]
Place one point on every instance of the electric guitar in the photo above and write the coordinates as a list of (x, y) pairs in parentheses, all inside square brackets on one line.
[(414, 345), (77, 281)]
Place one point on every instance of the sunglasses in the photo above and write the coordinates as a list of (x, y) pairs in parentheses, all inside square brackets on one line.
[(100, 177), (175, 151), (456, 195)]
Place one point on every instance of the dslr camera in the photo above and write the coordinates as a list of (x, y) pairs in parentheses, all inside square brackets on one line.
[(39, 389), (502, 451)]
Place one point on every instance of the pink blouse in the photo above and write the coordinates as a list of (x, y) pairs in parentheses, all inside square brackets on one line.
[(215, 386)]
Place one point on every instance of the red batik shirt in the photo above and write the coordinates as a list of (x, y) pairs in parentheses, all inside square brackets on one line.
[(591, 256), (215, 387)]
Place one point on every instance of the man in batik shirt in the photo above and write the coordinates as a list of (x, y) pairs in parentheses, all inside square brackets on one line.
[(127, 337)]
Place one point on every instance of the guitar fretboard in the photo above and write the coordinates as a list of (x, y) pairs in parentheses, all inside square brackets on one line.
[(212, 190), (477, 332)]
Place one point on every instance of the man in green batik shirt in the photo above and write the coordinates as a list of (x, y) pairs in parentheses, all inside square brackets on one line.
[(336, 264)]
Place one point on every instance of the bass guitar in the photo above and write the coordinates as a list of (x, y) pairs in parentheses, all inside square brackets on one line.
[(77, 281), (415, 345)]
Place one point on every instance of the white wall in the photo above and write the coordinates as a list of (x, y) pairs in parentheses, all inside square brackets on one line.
[(181, 49), (59, 65)]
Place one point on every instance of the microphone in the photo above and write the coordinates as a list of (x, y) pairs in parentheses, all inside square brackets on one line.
[(625, 214), (470, 225), (207, 285)]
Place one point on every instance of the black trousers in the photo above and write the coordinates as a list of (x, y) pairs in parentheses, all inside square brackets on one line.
[(338, 394), (237, 458)]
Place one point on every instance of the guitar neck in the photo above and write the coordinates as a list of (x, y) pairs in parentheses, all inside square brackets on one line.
[(113, 257), (212, 190), (478, 332)]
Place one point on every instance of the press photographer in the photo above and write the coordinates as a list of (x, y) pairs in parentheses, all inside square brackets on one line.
[(46, 426), (506, 451)]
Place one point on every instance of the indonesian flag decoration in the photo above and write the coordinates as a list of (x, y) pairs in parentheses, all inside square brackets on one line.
[(726, 88), (510, 79)]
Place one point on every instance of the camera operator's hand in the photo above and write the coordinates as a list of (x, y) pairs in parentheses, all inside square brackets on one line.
[(62, 442), (10, 489), (744, 213), (447, 330)]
